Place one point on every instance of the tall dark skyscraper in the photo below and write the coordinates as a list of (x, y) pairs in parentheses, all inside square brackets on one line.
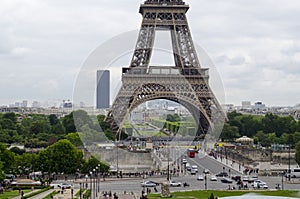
[(103, 89)]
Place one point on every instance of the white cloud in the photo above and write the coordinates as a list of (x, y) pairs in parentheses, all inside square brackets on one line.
[(255, 44)]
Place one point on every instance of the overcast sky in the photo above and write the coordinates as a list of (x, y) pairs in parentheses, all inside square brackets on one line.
[(254, 44)]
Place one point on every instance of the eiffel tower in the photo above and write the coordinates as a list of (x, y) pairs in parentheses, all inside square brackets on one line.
[(185, 83)]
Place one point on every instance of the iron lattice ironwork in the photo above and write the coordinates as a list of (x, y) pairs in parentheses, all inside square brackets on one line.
[(185, 83)]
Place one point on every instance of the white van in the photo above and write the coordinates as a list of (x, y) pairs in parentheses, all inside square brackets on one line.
[(188, 166), (295, 173)]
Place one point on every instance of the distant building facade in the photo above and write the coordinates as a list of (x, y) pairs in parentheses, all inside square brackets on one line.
[(103, 87)]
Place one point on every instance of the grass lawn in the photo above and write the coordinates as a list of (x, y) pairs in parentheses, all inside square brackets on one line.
[(206, 194), (11, 194)]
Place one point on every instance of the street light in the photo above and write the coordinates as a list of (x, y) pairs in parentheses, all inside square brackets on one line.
[(282, 180), (86, 183), (99, 176), (91, 188), (79, 190), (205, 181), (94, 184), (97, 189)]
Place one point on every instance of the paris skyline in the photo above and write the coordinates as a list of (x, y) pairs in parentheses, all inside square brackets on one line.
[(254, 45)]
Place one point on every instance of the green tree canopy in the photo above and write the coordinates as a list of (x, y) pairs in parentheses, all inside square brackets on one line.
[(7, 158), (61, 157), (74, 139), (298, 153), (92, 163)]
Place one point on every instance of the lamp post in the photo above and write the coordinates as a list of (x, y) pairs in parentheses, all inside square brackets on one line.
[(86, 183), (94, 184), (98, 178), (168, 174), (205, 181), (79, 190), (96, 188), (91, 188), (282, 180)]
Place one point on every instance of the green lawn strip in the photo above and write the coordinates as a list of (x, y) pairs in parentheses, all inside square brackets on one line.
[(78, 192), (87, 193), (206, 194), (53, 193), (12, 194), (36, 193)]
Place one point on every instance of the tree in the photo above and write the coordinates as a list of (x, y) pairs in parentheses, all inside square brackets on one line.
[(74, 139), (7, 158), (297, 156), (53, 119), (10, 116), (40, 126), (61, 157), (92, 163), (68, 123), (229, 132), (2, 174), (263, 139)]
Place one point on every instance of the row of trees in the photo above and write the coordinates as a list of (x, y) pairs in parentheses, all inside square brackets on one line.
[(58, 135), (36, 130), (266, 130), (61, 157)]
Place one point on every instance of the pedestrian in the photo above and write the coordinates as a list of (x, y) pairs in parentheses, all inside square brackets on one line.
[(115, 196), (22, 194)]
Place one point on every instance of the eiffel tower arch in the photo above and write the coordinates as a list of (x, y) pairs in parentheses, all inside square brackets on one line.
[(185, 83)]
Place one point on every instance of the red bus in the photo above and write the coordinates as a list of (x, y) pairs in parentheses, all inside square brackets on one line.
[(191, 153)]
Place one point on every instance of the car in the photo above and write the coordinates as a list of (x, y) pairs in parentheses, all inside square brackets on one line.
[(200, 177), (222, 174), (175, 184), (65, 186), (213, 178), (195, 167), (226, 180), (55, 185), (148, 184), (206, 171), (188, 166), (184, 161), (193, 172), (236, 178), (260, 185), (245, 178), (252, 179)]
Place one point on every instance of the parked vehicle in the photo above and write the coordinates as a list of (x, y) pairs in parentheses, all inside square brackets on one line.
[(175, 184), (188, 166), (260, 185), (184, 161), (148, 184), (236, 178), (222, 174), (294, 173), (226, 180), (195, 167), (206, 171), (200, 178), (213, 178), (193, 172), (65, 186), (245, 178)]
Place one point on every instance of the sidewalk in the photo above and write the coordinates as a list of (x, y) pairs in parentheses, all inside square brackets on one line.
[(66, 194), (227, 162), (19, 197)]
